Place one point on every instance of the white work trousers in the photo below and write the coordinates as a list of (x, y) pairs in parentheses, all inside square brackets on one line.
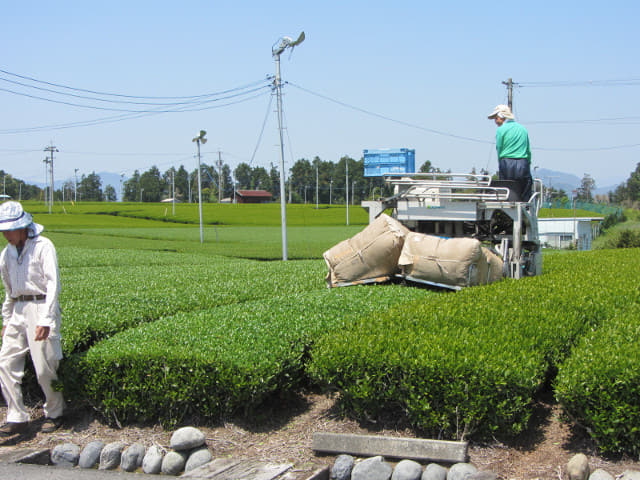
[(18, 340)]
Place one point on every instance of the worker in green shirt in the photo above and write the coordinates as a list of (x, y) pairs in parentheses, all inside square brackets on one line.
[(514, 151)]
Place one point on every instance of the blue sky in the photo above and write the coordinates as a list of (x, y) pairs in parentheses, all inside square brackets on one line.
[(370, 74)]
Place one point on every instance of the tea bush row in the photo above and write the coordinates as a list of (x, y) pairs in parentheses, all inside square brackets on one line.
[(214, 362), (471, 363), (124, 289), (599, 384)]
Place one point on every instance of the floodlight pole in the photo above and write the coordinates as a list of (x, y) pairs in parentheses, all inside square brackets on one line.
[(276, 50), (283, 208), (200, 139)]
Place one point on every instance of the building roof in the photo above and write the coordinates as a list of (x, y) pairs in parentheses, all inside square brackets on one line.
[(254, 193)]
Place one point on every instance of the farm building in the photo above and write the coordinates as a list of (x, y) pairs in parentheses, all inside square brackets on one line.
[(253, 196), (563, 232)]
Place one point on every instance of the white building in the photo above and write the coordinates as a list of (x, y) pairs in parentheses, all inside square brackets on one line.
[(563, 232)]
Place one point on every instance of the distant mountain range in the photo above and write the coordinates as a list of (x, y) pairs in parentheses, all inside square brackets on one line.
[(567, 181)]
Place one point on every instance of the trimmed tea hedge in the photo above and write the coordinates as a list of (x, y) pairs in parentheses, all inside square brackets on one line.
[(599, 384), (123, 289), (219, 361), (470, 363)]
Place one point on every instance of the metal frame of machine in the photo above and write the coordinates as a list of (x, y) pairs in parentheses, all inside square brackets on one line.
[(467, 205)]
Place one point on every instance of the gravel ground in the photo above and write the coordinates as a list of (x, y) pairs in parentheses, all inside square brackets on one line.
[(283, 434)]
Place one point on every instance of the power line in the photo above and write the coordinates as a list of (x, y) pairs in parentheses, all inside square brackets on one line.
[(223, 92), (384, 117), (119, 118), (620, 82), (589, 149), (180, 107), (611, 120), (264, 123)]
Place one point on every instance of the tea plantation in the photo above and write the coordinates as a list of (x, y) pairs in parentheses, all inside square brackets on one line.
[(157, 327)]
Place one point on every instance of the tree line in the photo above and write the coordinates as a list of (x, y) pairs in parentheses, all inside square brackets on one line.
[(307, 179), (88, 188), (628, 193)]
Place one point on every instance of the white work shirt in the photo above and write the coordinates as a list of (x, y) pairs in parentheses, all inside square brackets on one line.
[(33, 272)]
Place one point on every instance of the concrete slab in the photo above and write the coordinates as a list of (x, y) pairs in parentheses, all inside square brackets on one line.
[(393, 447), (27, 455), (229, 469)]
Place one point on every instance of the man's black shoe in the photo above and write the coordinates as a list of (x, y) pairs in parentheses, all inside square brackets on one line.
[(51, 424), (11, 428)]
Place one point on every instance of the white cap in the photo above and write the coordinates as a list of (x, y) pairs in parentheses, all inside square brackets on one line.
[(502, 111)]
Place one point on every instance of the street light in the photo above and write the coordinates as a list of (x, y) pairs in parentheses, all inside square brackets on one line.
[(277, 48), (75, 186), (200, 139)]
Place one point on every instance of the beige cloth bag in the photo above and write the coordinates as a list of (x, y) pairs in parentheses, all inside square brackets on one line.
[(371, 254), (453, 261), (495, 265)]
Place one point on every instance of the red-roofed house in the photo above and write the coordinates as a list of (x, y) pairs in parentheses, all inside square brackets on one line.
[(253, 196)]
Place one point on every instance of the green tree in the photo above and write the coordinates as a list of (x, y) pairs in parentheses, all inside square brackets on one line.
[(243, 176), (152, 185), (132, 188), (274, 174), (302, 177), (629, 191), (260, 179), (426, 167), (110, 194), (182, 183), (227, 182), (90, 188)]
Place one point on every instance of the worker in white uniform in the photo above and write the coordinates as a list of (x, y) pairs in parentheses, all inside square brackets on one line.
[(31, 317)]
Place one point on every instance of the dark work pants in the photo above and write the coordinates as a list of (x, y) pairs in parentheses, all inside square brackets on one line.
[(517, 169)]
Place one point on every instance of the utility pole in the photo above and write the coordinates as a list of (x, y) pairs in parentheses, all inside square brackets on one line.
[(219, 176), (200, 140), (75, 186), (51, 149), (346, 162), (509, 84), (46, 182), (330, 189), (316, 186), (173, 190)]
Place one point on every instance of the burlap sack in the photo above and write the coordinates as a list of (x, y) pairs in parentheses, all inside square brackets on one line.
[(371, 254), (454, 261), (495, 265)]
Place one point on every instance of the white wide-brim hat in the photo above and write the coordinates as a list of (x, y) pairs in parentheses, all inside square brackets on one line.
[(13, 217)]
